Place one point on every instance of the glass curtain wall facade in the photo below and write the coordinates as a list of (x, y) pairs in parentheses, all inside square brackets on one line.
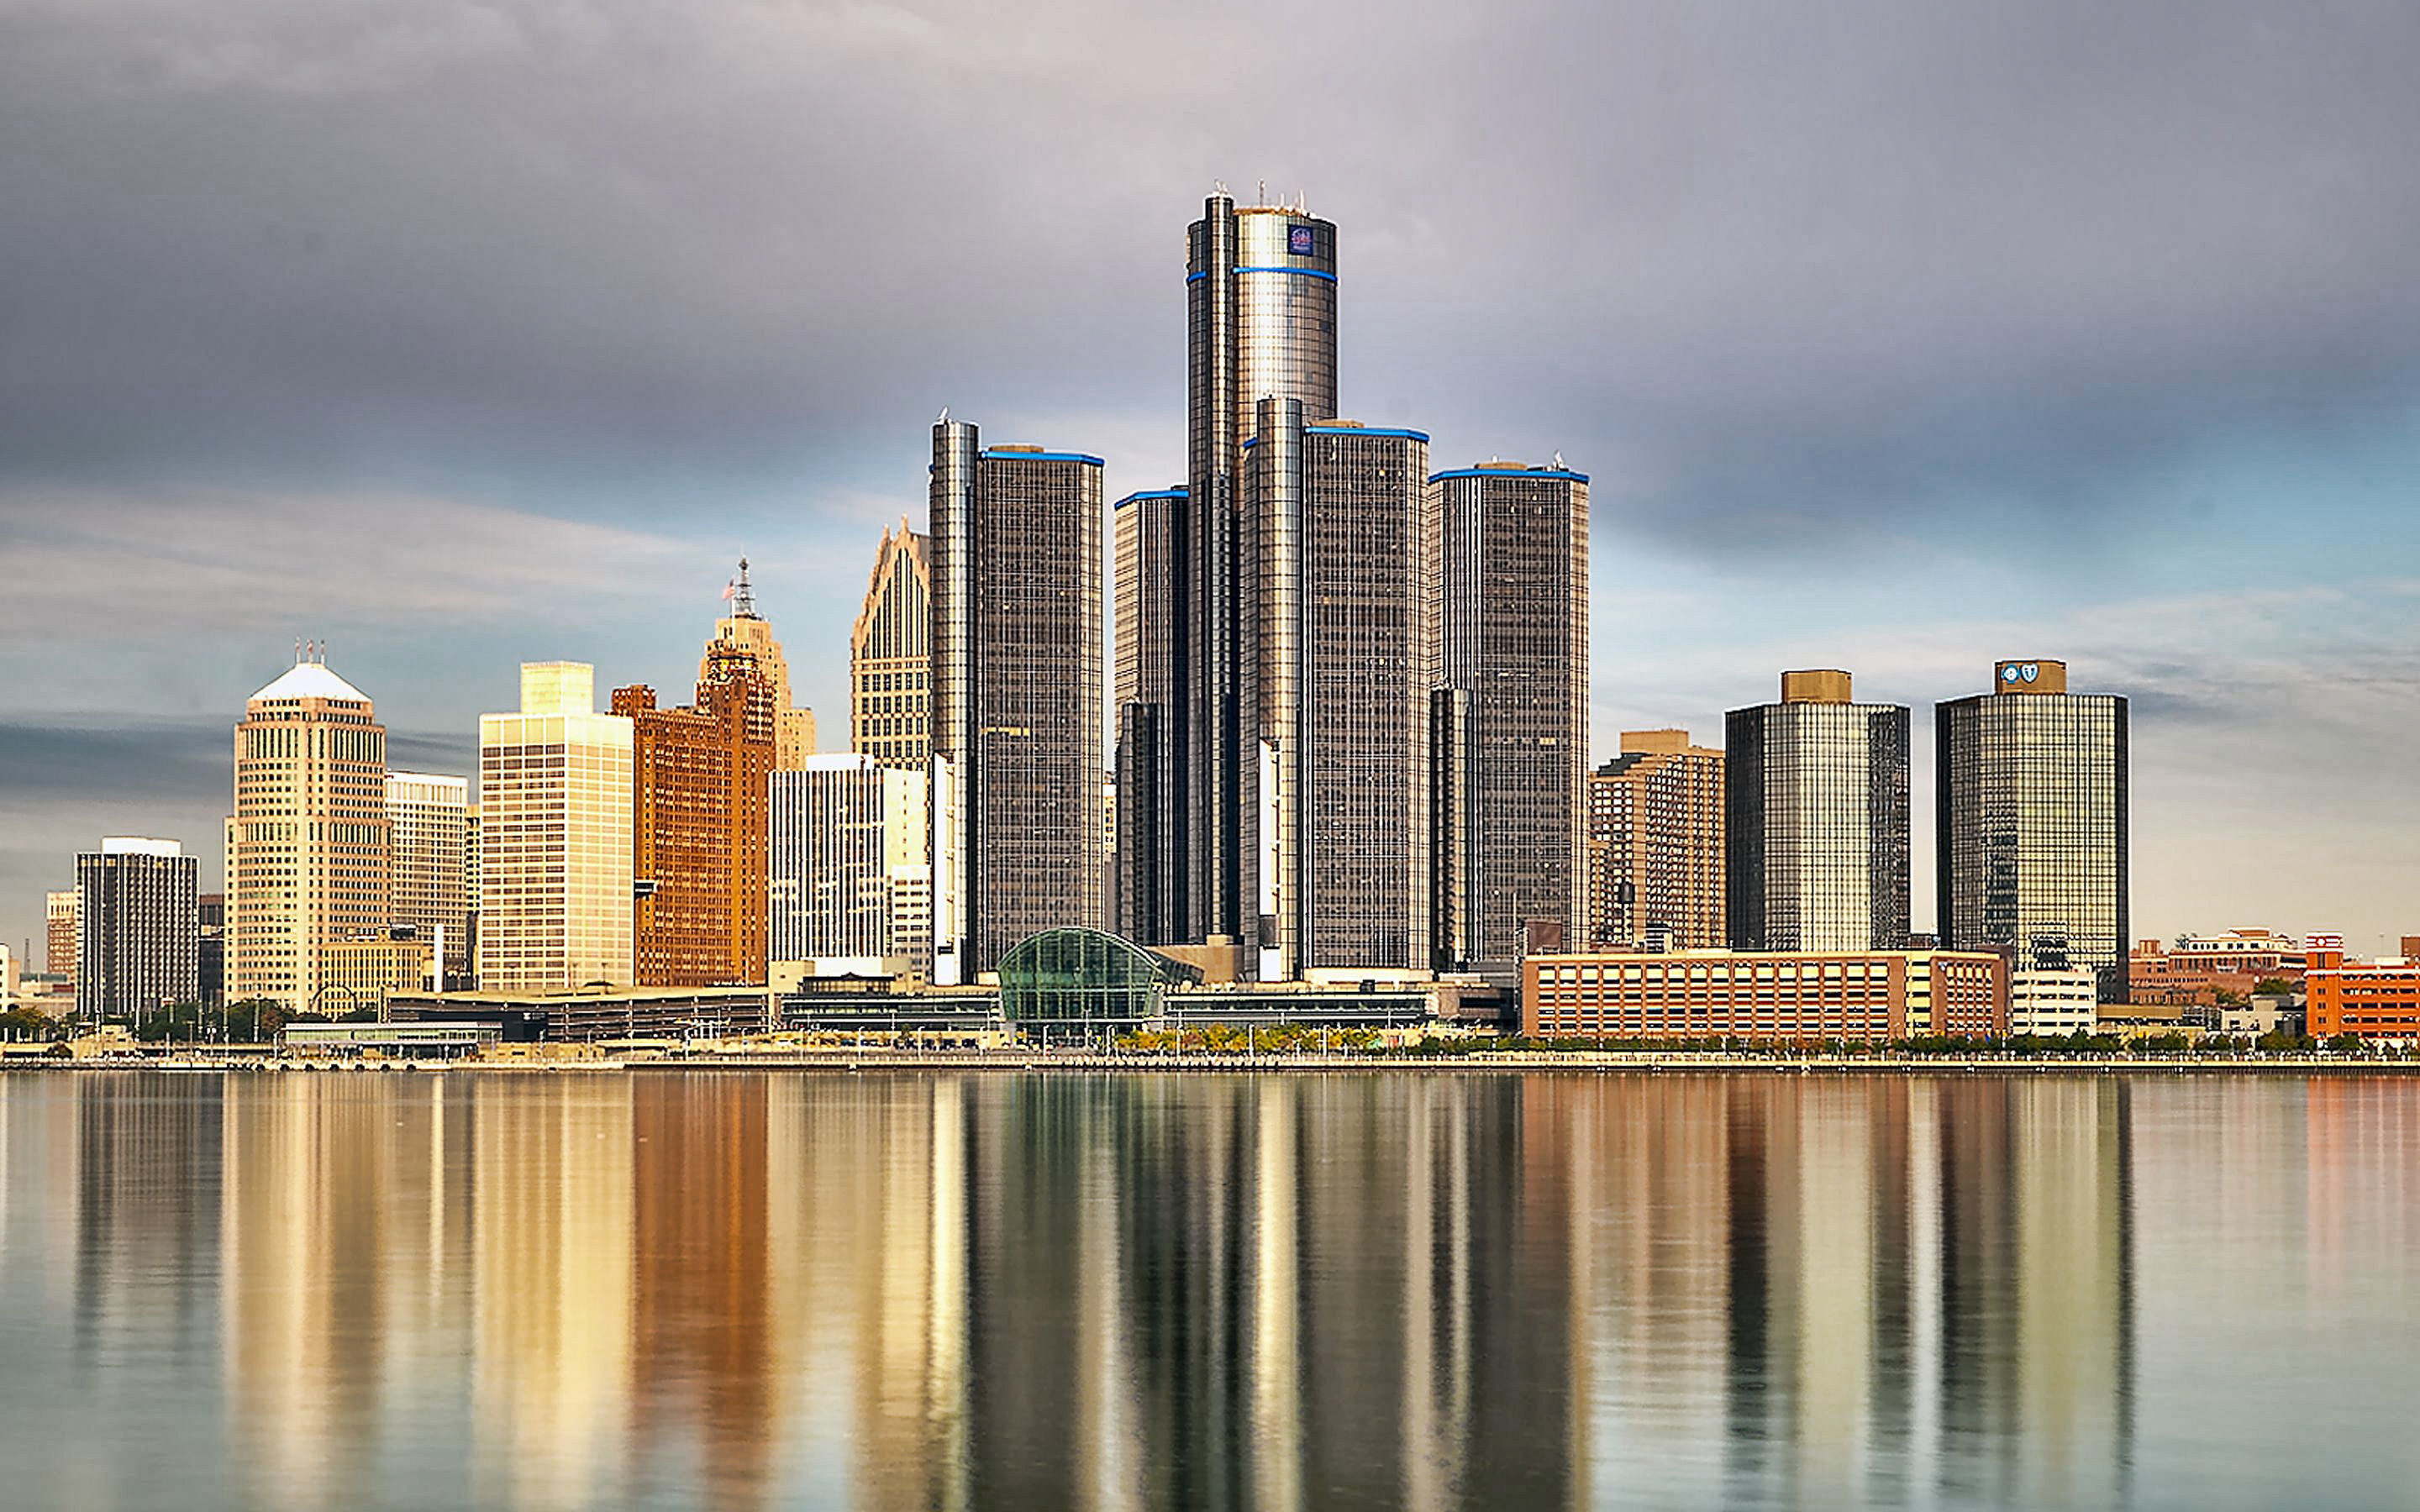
[(429, 828), (556, 865), (307, 846), (1816, 798), (141, 930), (1507, 574), (1018, 678), (891, 657), (1145, 876), (1261, 322), (2030, 839), (1341, 693)]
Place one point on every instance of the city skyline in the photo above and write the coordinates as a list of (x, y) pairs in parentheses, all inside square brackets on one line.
[(2139, 398)]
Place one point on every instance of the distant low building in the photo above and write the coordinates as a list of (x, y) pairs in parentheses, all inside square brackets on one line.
[(2377, 1000), (1790, 996), (2204, 970), (2054, 1002)]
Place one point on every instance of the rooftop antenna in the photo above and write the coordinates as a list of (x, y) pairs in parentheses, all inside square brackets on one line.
[(1265, 192), (1220, 186), (298, 651), (1558, 461), (743, 603), (945, 416)]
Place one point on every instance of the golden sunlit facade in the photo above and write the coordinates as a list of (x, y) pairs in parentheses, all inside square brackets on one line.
[(554, 838), (307, 848), (890, 657), (699, 790)]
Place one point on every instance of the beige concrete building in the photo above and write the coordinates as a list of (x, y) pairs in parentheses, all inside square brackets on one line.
[(556, 837), (742, 637), (363, 973), (429, 826), (1656, 845), (307, 846), (890, 662)]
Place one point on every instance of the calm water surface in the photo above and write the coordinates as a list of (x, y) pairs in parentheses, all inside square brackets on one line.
[(723, 1290)]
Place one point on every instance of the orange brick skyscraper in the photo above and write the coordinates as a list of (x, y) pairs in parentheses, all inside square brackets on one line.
[(699, 780)]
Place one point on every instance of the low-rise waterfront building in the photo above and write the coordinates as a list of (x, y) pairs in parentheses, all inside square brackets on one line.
[(2047, 1003), (2205, 970), (593, 1013), (1871, 997), (2378, 1000)]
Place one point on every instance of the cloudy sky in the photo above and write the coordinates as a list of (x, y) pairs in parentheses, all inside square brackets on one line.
[(1898, 337)]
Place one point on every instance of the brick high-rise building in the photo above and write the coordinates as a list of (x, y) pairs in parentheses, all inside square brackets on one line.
[(1655, 846), (307, 848), (743, 641), (61, 912), (890, 657), (699, 784)]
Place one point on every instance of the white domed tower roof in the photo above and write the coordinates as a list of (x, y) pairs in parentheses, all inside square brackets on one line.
[(310, 679)]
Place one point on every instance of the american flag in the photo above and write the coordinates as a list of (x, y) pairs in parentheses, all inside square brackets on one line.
[(731, 590)]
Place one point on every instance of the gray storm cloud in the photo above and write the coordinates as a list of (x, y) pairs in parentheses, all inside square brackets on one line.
[(1754, 260)]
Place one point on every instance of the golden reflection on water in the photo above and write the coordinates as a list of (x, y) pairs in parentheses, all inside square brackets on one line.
[(1065, 1291)]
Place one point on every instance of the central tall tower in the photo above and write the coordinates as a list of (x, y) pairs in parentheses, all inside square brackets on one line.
[(1260, 300)]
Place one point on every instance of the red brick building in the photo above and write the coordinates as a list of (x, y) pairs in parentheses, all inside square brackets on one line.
[(699, 783), (2202, 967), (2380, 1001), (1783, 997)]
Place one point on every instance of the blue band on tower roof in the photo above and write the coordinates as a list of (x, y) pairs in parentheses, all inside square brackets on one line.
[(1509, 472), (990, 455), (1275, 268), (1364, 430)]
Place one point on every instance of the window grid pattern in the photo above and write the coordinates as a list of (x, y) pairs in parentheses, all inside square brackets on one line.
[(309, 849), (890, 653), (2031, 830), (1655, 850), (1510, 616), (1817, 820)]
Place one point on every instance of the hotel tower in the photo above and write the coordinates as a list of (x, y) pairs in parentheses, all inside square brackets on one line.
[(1261, 324)]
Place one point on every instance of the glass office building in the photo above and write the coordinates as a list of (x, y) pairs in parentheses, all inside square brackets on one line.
[(2031, 828), (1261, 322), (1016, 688), (137, 954), (1339, 689), (1816, 820), (1507, 575), (1146, 878)]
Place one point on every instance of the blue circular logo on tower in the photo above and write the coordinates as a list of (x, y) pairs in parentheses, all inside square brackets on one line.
[(2010, 673), (1301, 241)]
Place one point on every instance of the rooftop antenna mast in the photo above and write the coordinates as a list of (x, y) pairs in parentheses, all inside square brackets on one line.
[(743, 603)]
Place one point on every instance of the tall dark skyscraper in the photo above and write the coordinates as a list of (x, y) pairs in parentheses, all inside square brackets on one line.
[(1508, 568), (1815, 792), (1016, 686), (2030, 784), (1260, 301), (142, 928), (1147, 875), (1340, 686)]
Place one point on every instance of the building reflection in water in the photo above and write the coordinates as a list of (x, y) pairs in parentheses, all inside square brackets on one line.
[(1130, 1292)]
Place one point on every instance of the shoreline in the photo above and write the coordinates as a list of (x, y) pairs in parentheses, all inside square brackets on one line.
[(1505, 1062)]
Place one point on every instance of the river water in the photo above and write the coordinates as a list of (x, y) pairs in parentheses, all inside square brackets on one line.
[(701, 1289)]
